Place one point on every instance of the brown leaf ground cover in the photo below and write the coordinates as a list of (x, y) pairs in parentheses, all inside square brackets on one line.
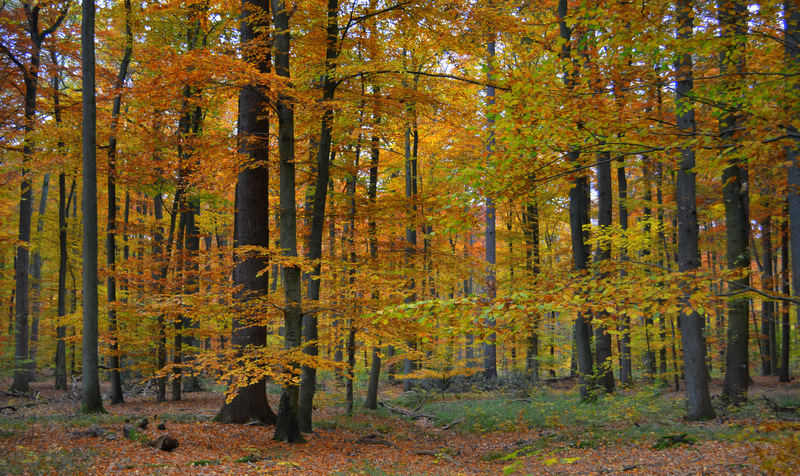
[(488, 433)]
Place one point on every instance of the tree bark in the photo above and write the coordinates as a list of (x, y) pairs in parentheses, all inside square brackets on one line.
[(30, 74), (111, 229), (91, 401), (603, 347), (252, 218), (490, 238), (578, 217), (371, 401), (308, 381), (734, 191), (691, 322), (287, 427)]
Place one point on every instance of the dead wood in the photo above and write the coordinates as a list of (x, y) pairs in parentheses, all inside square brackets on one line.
[(375, 439), (454, 423), (780, 408), (164, 443), (8, 407), (406, 412)]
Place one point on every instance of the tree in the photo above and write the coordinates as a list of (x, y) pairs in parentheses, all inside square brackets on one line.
[(252, 218), (111, 227), (732, 17), (578, 217), (91, 400), (28, 63), (287, 427), (692, 323), (314, 246)]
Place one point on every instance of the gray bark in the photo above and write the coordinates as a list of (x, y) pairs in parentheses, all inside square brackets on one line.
[(91, 401), (30, 73), (490, 239), (691, 322), (734, 192), (578, 217), (252, 219), (308, 381), (287, 427), (111, 229)]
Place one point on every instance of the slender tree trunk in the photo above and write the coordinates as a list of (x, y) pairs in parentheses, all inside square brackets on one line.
[(691, 322), (111, 229), (785, 289), (767, 338), (287, 427), (603, 347), (314, 247), (533, 263), (36, 273), (490, 239), (625, 365), (61, 329), (372, 194)]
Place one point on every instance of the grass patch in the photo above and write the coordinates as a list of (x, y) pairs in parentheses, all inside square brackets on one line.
[(55, 460)]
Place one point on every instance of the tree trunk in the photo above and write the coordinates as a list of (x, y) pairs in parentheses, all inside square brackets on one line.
[(61, 329), (287, 427), (785, 289), (314, 247), (625, 365), (371, 401), (36, 273), (111, 230), (603, 346), (578, 217), (792, 58), (691, 322), (734, 191), (767, 338), (532, 261), (91, 401), (252, 218), (490, 240)]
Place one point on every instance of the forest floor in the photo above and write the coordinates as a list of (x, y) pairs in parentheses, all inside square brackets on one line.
[(543, 430)]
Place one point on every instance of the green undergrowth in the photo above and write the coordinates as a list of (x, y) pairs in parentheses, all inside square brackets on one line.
[(643, 415), (53, 460)]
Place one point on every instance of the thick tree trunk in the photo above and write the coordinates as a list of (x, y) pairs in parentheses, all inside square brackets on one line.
[(792, 58), (691, 322), (735, 196), (251, 226), (578, 217), (91, 401)]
